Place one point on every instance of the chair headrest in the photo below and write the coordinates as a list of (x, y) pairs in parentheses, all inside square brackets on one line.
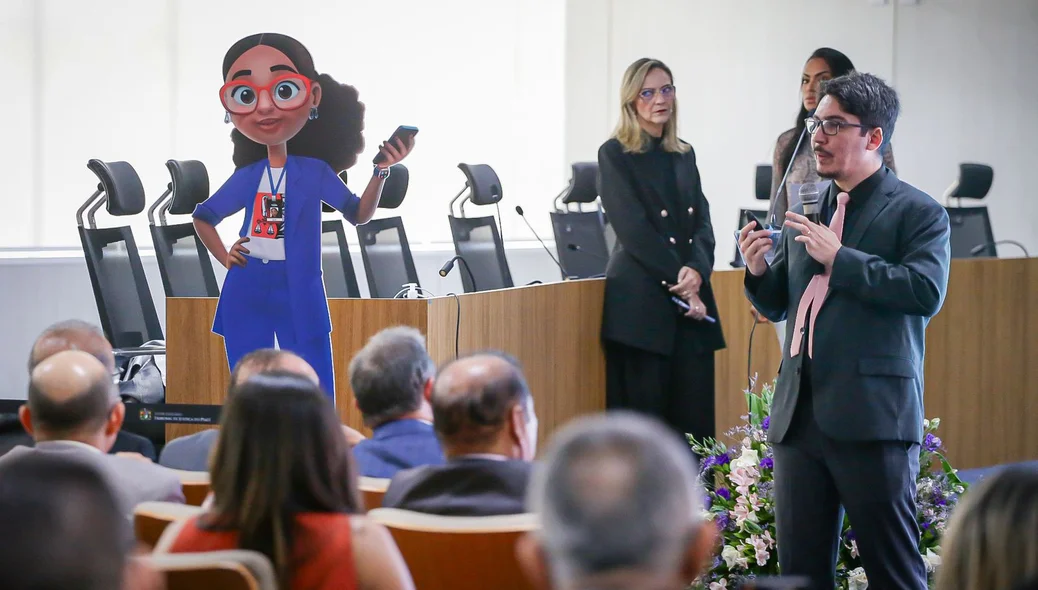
[(583, 187), (121, 185), (762, 182), (395, 189), (974, 181), (190, 185), (483, 182)]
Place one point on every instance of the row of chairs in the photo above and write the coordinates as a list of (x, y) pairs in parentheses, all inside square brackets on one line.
[(971, 233)]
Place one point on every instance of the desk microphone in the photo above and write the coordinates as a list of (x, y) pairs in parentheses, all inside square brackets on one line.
[(519, 210), (981, 247), (449, 265)]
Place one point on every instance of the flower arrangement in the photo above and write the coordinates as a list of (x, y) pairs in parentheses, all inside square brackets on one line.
[(741, 502)]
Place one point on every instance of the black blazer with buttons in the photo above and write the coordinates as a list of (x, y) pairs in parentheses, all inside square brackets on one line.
[(655, 236)]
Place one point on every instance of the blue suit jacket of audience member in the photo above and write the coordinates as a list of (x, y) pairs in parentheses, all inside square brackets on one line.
[(398, 445)]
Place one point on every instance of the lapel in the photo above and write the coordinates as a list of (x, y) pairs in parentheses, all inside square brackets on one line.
[(295, 194), (875, 204)]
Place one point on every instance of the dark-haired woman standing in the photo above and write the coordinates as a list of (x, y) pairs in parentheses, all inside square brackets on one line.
[(294, 131)]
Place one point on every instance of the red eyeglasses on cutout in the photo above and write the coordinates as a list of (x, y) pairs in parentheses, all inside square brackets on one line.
[(288, 92)]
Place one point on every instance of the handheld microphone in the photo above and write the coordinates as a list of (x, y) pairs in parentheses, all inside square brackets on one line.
[(449, 265), (981, 247), (519, 210), (577, 248), (782, 183), (809, 196)]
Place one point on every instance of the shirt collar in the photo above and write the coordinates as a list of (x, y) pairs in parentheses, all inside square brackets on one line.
[(860, 193), (483, 456), (399, 427), (67, 443)]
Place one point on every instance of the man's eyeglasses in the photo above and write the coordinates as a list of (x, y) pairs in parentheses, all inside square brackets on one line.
[(286, 92), (647, 94), (829, 126)]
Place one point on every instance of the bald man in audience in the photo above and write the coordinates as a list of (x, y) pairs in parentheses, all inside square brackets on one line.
[(484, 417), (191, 453), (72, 335), (73, 410), (620, 508)]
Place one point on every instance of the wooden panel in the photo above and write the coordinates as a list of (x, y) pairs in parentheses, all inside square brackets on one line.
[(554, 331), (731, 376), (196, 364), (981, 373), (354, 321)]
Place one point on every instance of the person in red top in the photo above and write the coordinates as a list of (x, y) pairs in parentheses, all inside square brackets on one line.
[(284, 484)]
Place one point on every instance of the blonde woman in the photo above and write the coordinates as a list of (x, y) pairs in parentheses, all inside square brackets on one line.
[(992, 539), (659, 327)]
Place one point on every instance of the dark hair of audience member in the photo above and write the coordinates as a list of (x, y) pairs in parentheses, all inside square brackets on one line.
[(281, 452), (62, 526), (83, 413), (476, 417), (259, 360)]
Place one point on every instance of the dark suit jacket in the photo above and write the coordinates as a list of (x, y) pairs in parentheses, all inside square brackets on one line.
[(462, 487), (889, 278), (397, 445), (653, 242), (12, 434)]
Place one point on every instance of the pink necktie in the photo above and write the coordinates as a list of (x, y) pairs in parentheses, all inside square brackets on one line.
[(817, 289)]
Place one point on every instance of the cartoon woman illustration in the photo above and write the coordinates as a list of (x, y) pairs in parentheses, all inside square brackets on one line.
[(294, 130)]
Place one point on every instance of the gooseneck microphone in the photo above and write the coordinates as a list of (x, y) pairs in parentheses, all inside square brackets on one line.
[(981, 247), (782, 183), (809, 196), (519, 210), (449, 265), (577, 248)]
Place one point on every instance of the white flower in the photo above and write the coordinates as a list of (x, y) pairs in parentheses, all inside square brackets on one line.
[(747, 460), (721, 584), (767, 537), (926, 424), (856, 580), (760, 546), (854, 548), (731, 556), (746, 442), (743, 478), (751, 501), (933, 560)]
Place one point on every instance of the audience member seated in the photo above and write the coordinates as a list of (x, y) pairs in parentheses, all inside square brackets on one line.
[(64, 528), (72, 335), (73, 410), (483, 415), (192, 452), (284, 484), (392, 379), (992, 537), (620, 508)]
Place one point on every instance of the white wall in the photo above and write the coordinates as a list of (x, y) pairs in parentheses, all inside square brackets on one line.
[(965, 70)]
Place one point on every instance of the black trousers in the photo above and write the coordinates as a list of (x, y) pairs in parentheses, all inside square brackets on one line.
[(677, 389), (817, 478)]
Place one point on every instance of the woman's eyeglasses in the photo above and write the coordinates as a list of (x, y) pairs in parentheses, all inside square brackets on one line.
[(829, 126), (287, 92), (647, 94)]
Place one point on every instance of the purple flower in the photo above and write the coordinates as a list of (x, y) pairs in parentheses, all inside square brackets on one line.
[(722, 520), (850, 535), (724, 493), (722, 459), (766, 422), (931, 443), (764, 490), (767, 463)]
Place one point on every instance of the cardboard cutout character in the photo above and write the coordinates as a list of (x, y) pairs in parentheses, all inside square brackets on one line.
[(294, 130)]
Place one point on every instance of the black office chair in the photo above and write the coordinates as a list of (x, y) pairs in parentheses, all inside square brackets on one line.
[(121, 292), (384, 249), (580, 236), (477, 239), (340, 279), (971, 233), (184, 263)]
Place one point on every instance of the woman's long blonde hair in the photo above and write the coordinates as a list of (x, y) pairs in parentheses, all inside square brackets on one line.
[(628, 131), (992, 539)]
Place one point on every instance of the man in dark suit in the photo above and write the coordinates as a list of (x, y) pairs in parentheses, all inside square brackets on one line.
[(72, 335), (392, 380), (483, 414), (846, 421)]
